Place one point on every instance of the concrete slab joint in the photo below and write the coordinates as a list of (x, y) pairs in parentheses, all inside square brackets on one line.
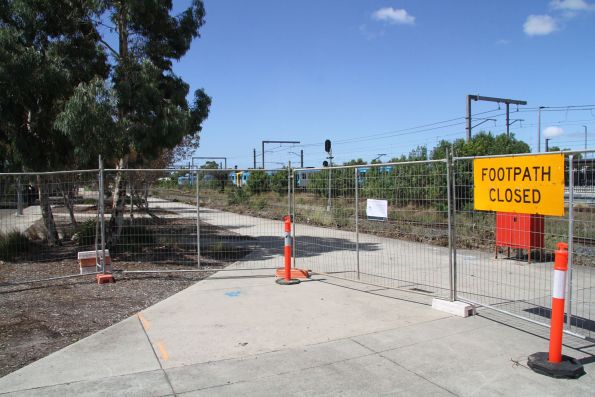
[(457, 308)]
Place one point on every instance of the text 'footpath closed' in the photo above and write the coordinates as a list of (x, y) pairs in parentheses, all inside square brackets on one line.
[(521, 184)]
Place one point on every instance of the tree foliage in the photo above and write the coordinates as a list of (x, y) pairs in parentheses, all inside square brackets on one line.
[(47, 48), (418, 182), (258, 182), (149, 114), (279, 182), (68, 95)]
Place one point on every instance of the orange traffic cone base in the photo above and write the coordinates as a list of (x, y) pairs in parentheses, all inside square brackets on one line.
[(295, 273)]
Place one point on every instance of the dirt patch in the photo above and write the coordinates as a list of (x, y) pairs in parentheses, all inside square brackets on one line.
[(39, 318)]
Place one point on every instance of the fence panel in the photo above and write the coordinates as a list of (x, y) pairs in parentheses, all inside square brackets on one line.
[(158, 221), (45, 219), (324, 221), (384, 224), (516, 281), (581, 291)]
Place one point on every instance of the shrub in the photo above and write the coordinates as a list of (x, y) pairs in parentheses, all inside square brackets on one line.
[(279, 182), (237, 196), (85, 232), (13, 244), (134, 238), (259, 203), (258, 182)]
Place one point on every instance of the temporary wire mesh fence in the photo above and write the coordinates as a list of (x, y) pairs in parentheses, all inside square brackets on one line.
[(248, 214), (504, 261), (406, 225), (46, 218), (384, 224), (156, 218)]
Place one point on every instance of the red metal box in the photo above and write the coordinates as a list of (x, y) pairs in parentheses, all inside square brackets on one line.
[(519, 231)]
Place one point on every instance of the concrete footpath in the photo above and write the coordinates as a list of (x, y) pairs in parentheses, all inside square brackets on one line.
[(239, 333)]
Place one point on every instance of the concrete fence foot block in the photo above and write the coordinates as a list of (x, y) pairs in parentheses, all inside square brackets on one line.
[(457, 308)]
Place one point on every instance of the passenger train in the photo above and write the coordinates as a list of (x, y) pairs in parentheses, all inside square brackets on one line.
[(240, 178)]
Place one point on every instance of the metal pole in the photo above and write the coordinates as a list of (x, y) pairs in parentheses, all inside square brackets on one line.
[(131, 203), (468, 118), (289, 188), (293, 245), (539, 129), (585, 127), (19, 197), (102, 213), (357, 222), (302, 153), (570, 237), (254, 155), (453, 212), (449, 209), (507, 119), (197, 223), (330, 156), (263, 155)]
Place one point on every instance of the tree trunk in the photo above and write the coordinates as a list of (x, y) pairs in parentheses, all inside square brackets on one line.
[(68, 204), (146, 195), (131, 192), (46, 213), (118, 197)]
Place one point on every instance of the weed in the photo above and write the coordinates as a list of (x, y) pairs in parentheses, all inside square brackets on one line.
[(13, 244), (259, 203), (89, 201), (237, 197)]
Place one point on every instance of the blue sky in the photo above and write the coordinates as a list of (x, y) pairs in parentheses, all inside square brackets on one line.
[(346, 70)]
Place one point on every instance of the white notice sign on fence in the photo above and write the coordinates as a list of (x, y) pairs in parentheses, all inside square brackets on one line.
[(377, 210)]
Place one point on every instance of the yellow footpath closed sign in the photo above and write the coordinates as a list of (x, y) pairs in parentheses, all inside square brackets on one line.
[(521, 184)]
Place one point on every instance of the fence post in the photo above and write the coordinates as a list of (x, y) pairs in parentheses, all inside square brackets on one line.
[(357, 221), (328, 205), (570, 237), (102, 213), (453, 225), (19, 197), (197, 222), (293, 246), (131, 192), (449, 209), (289, 188)]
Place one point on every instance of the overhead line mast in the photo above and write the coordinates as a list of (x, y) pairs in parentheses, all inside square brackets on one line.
[(490, 99)]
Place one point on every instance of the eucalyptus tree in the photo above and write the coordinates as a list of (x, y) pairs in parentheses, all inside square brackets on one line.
[(47, 48), (142, 110)]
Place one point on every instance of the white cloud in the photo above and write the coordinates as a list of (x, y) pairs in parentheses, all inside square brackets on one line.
[(394, 15), (540, 25), (551, 132), (571, 5)]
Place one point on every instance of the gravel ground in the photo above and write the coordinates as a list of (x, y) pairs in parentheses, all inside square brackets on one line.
[(40, 318)]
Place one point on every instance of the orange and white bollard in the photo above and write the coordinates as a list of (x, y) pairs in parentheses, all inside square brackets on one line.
[(286, 275), (555, 364), (558, 299)]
